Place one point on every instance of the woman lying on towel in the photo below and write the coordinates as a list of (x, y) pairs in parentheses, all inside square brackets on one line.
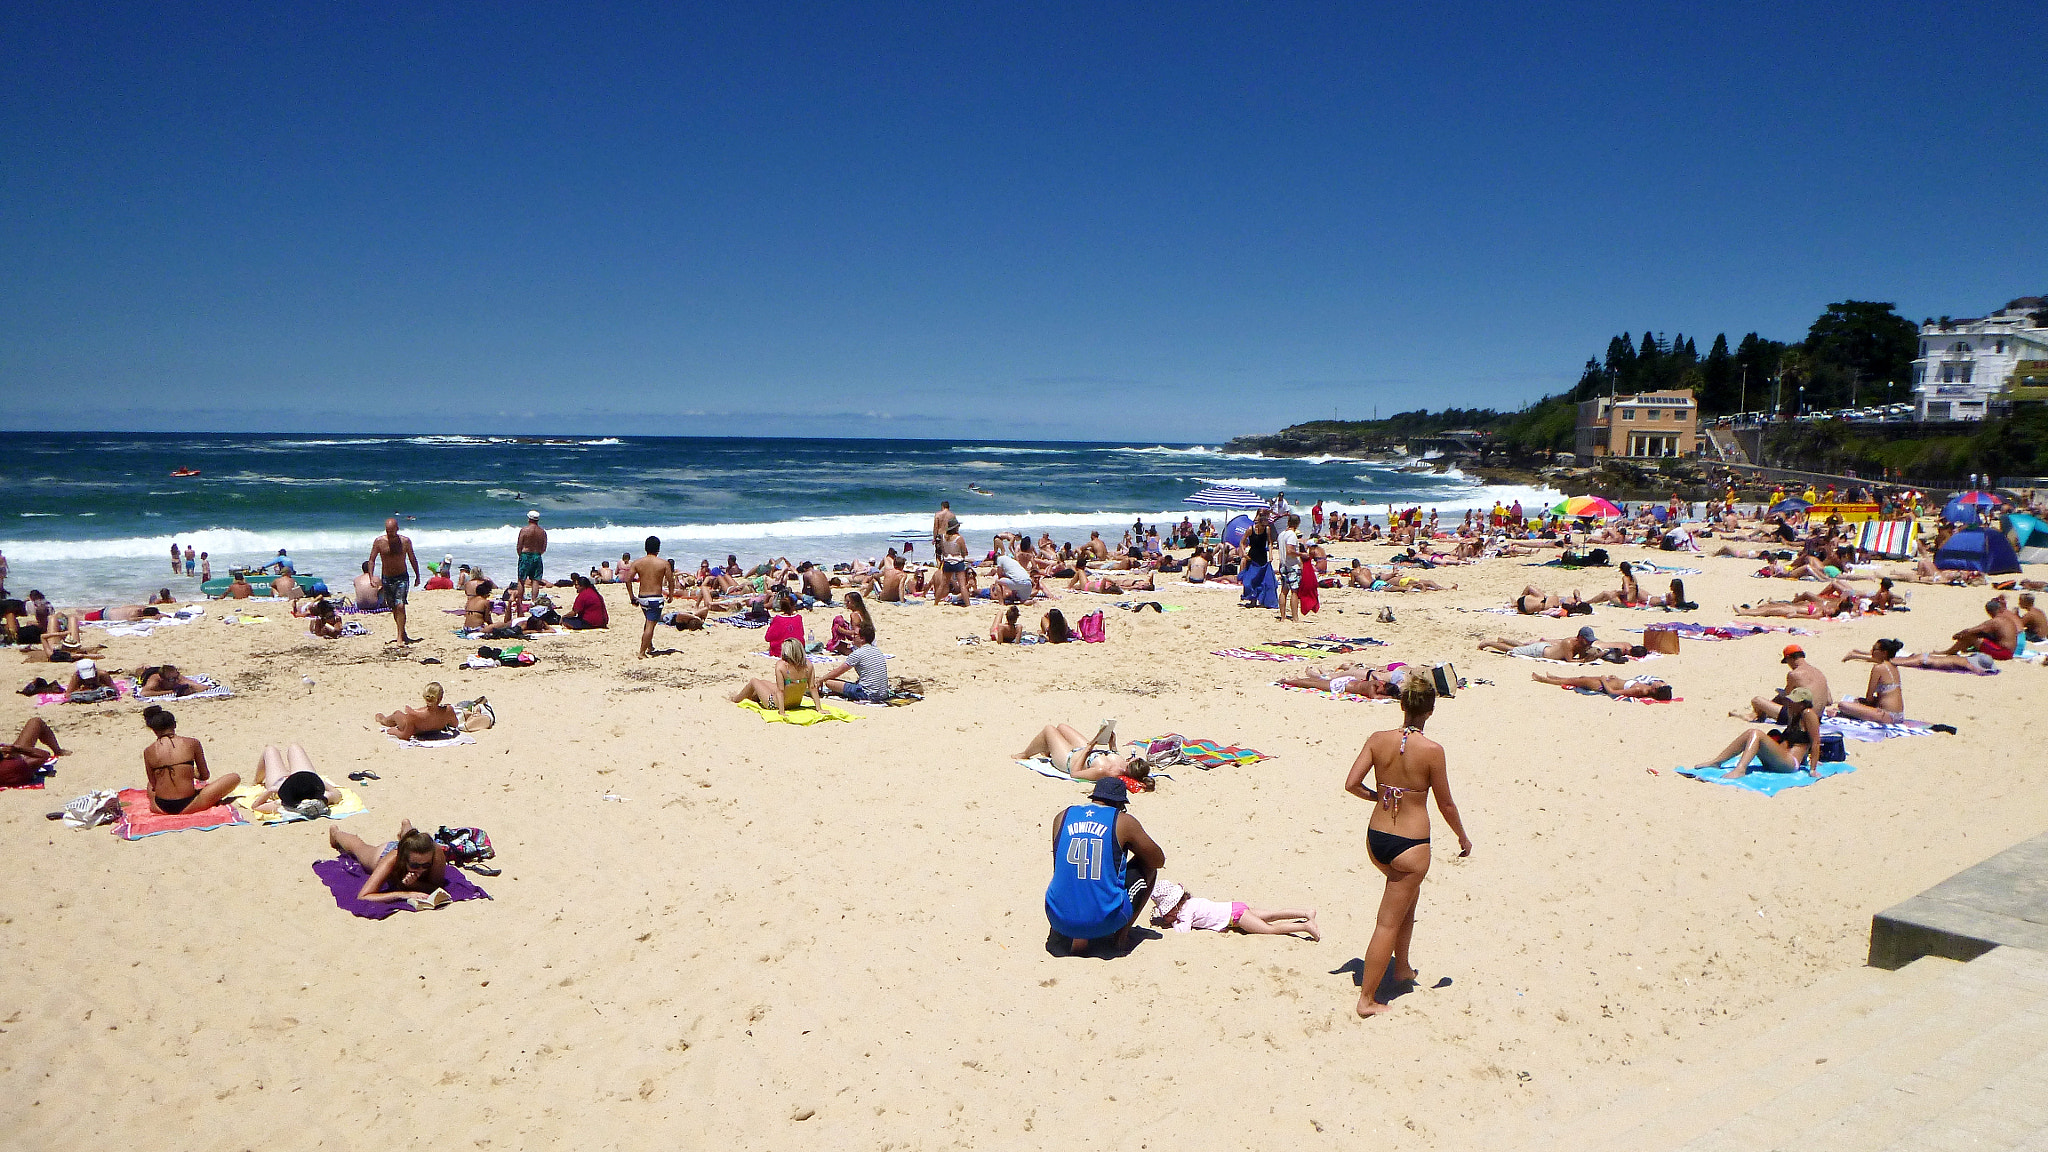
[(1535, 601), (405, 723), (290, 785), (1063, 745), (793, 681), (1633, 688), (1780, 750), (1884, 699), (1087, 581), (1368, 680), (178, 780), (1975, 662), (412, 865)]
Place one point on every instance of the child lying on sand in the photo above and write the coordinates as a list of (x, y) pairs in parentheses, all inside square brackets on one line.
[(1173, 906)]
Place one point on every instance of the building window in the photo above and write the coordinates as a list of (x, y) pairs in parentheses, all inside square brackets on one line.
[(1937, 409), (1628, 413), (2001, 348), (1923, 347), (1920, 370), (1960, 347), (1967, 370)]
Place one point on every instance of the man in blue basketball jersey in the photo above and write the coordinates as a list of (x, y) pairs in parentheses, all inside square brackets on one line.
[(1103, 867)]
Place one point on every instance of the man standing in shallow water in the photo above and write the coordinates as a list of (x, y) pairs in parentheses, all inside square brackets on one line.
[(392, 553)]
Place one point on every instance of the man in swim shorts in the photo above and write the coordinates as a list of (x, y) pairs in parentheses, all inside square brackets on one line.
[(392, 553), (533, 541), (1997, 637), (647, 583), (1577, 650)]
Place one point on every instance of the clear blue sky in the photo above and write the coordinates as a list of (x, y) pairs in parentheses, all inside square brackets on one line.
[(1114, 221)]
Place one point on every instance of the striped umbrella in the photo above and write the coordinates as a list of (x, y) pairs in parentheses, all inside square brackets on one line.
[(1586, 506), (1228, 496)]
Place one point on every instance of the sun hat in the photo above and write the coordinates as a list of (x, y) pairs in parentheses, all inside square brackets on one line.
[(86, 669), (1791, 650), (1802, 695), (533, 514), (536, 611)]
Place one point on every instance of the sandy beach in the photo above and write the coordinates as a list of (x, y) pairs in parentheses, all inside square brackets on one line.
[(712, 931)]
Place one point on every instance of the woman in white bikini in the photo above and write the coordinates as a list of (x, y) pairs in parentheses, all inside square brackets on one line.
[(1082, 759), (1884, 698), (1408, 766)]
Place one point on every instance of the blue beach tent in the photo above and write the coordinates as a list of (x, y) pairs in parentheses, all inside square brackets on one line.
[(1233, 532), (1978, 550), (2030, 537)]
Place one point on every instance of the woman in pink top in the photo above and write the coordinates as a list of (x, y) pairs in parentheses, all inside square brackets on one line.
[(785, 624)]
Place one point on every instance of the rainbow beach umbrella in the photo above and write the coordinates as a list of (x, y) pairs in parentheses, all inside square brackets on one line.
[(1576, 506)]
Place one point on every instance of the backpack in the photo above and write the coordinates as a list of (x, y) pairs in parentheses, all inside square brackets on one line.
[(1090, 629), (467, 848)]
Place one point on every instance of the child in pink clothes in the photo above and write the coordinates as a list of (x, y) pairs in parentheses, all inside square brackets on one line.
[(1174, 906)]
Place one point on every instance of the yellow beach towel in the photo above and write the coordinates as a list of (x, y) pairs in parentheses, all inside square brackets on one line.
[(245, 797), (800, 716)]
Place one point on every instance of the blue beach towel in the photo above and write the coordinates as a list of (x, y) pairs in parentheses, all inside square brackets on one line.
[(1763, 779)]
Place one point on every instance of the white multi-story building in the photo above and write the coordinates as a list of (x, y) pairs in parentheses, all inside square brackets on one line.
[(1964, 364)]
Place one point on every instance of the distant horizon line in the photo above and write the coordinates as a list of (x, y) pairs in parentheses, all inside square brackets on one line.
[(552, 437)]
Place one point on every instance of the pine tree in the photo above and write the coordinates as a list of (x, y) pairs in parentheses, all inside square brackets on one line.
[(1718, 379)]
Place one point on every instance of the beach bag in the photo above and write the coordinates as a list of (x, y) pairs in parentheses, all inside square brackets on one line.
[(467, 848), (1090, 628), (1662, 639), (91, 810), (475, 715), (93, 696), (1832, 750), (1446, 677)]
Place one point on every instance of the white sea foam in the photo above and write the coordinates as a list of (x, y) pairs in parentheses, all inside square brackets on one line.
[(1469, 496), (1252, 482), (987, 449)]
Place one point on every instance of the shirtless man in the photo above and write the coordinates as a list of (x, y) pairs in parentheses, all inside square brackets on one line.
[(940, 519), (1799, 673), (647, 583), (1633, 688), (285, 588), (391, 554), (886, 585), (1094, 549), (369, 593), (1997, 637), (533, 541), (239, 588), (2032, 621), (1577, 650)]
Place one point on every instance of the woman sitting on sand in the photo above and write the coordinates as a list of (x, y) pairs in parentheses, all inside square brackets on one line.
[(1779, 750), (1407, 767), (405, 723), (325, 622), (177, 777), (1370, 681), (1053, 626), (1062, 744), (290, 785), (785, 624), (1674, 599), (1629, 595), (412, 865), (846, 627), (1884, 698), (1004, 629), (793, 681)]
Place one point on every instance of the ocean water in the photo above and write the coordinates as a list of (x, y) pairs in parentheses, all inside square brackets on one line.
[(89, 518)]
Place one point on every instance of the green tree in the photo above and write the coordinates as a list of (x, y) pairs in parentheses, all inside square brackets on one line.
[(1758, 359), (1718, 379), (1855, 349)]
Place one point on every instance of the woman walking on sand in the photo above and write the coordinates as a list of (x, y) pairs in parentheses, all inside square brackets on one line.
[(1407, 766)]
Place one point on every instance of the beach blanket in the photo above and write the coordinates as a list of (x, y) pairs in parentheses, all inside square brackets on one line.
[(37, 786), (354, 628), (1763, 780), (1043, 766), (739, 620), (1641, 566), (1693, 631), (1205, 754), (344, 876), (123, 690), (803, 716), (1583, 663), (1250, 654), (1352, 641), (245, 797), (1622, 699), (434, 740), (139, 821), (1327, 695), (1870, 732)]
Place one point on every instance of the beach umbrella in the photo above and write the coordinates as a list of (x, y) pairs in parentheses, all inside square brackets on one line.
[(1956, 511), (1227, 496), (1988, 499), (1586, 506), (1789, 505)]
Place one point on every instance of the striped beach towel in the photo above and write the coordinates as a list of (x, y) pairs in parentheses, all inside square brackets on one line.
[(1892, 539)]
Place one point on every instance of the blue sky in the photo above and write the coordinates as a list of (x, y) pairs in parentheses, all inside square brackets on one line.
[(1114, 221)]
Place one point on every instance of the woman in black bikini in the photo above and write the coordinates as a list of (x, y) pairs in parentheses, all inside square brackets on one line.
[(178, 777), (1797, 744), (1407, 766)]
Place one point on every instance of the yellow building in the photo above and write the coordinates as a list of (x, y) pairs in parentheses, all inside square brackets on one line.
[(1646, 424)]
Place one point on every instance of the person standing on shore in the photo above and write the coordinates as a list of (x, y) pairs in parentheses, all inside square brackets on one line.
[(191, 560), (533, 543), (647, 585), (174, 557), (940, 519), (1408, 767), (393, 554)]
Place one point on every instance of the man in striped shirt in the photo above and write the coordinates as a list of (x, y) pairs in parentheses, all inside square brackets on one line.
[(867, 665)]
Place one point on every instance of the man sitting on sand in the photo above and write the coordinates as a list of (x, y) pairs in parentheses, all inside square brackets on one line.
[(285, 588), (369, 590), (869, 670), (1997, 637), (1799, 673), (239, 588), (1633, 688), (887, 584), (1095, 847), (1579, 649), (2032, 621)]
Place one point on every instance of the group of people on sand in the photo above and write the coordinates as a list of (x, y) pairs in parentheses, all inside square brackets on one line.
[(1106, 866)]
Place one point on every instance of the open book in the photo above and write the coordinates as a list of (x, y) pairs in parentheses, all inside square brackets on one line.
[(438, 898)]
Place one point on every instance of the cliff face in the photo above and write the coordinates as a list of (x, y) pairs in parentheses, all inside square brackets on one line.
[(1313, 442)]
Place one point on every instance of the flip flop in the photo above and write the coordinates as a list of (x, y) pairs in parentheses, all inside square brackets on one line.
[(360, 777)]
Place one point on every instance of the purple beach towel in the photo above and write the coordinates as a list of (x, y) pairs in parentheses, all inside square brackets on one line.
[(344, 876)]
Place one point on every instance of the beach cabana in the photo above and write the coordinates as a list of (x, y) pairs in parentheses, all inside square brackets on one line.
[(1978, 550)]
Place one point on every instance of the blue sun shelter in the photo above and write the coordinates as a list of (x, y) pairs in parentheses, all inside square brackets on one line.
[(1978, 550)]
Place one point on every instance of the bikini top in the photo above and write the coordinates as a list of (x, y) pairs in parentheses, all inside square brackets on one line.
[(1390, 796)]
